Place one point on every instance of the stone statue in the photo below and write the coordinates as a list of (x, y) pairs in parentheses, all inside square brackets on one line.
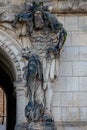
[(47, 37), (34, 77)]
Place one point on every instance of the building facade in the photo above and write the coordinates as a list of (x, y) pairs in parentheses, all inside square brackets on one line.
[(69, 105)]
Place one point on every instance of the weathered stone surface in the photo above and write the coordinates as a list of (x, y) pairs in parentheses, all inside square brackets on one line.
[(8, 9), (73, 114), (72, 84), (57, 113), (83, 53), (21, 126), (70, 6), (71, 23), (83, 83), (79, 38), (66, 88), (7, 12), (80, 69), (73, 128), (70, 54), (65, 69), (36, 126)]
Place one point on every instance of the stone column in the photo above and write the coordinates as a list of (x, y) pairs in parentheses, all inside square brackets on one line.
[(20, 105)]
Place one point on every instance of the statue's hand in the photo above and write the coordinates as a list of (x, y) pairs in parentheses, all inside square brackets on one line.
[(45, 86), (53, 50)]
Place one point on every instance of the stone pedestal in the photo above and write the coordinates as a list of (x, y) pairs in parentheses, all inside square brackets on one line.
[(42, 126), (36, 126), (21, 126)]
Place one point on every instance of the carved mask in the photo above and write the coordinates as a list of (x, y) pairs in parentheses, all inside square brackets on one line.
[(38, 20)]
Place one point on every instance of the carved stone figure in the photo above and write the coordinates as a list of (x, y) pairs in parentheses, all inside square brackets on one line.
[(34, 77), (47, 37)]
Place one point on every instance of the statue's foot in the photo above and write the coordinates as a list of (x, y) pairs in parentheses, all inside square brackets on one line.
[(48, 117)]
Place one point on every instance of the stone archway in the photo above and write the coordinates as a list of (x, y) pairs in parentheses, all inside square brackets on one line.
[(10, 73), (12, 48), (7, 77)]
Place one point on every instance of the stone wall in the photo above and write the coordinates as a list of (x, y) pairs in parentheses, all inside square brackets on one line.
[(70, 91)]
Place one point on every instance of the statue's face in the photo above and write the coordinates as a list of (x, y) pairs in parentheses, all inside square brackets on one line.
[(38, 20)]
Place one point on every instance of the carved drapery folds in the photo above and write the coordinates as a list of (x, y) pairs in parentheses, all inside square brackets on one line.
[(47, 37)]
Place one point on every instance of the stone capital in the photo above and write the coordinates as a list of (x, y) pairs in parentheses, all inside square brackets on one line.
[(20, 85)]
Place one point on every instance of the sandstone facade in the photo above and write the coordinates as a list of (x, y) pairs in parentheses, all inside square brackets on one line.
[(69, 105)]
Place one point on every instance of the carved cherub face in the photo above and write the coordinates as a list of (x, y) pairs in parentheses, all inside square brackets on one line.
[(38, 20)]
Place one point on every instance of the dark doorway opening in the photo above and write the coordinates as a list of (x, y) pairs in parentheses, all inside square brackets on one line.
[(8, 88), (6, 81)]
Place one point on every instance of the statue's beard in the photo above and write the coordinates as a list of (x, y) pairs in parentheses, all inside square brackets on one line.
[(38, 22)]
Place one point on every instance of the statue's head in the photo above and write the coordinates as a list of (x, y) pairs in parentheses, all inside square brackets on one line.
[(38, 14), (38, 19)]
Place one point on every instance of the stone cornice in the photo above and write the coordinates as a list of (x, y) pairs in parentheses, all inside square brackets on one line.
[(8, 11), (69, 6)]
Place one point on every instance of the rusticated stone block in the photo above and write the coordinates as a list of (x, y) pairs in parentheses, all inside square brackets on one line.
[(79, 69), (79, 38), (71, 23)]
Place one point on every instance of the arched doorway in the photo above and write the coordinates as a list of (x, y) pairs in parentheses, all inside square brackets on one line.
[(7, 78)]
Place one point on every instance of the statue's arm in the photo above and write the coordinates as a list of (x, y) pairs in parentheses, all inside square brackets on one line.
[(23, 17), (61, 38), (61, 34), (59, 30)]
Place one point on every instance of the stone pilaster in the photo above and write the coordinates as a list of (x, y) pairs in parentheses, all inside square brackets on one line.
[(21, 103)]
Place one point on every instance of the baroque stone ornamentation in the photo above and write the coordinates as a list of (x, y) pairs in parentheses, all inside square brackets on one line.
[(10, 50), (47, 37)]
